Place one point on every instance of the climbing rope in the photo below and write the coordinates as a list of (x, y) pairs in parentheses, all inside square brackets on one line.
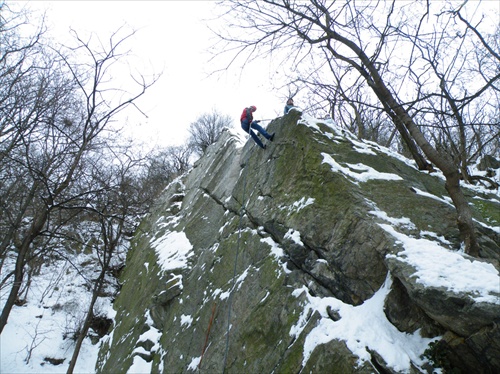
[(230, 300), (208, 334)]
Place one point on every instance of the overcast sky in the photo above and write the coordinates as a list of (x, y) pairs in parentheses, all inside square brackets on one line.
[(172, 37)]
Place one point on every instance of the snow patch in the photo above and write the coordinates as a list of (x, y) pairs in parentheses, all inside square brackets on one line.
[(193, 365), (439, 267), (443, 200), (222, 295), (173, 250), (294, 236), (140, 366), (365, 173), (186, 320), (302, 203), (242, 277), (404, 221), (361, 327), (277, 252), (265, 297)]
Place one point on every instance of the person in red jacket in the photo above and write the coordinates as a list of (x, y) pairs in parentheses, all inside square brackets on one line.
[(247, 123)]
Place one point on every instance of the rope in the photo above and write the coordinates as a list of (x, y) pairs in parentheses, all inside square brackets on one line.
[(194, 333), (208, 333), (230, 300)]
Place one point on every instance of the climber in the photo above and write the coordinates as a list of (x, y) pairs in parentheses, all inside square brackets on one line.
[(247, 122), (288, 106)]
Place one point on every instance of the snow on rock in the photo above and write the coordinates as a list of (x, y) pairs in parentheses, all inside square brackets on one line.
[(193, 365), (339, 298), (403, 221), (443, 200), (277, 252), (358, 172), (302, 203), (153, 335), (439, 267), (364, 327), (186, 320), (173, 250), (294, 236), (139, 366)]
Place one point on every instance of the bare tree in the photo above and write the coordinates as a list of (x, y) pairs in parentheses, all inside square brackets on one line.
[(61, 128), (112, 212), (23, 89), (206, 129), (460, 97), (361, 38), (348, 105), (162, 167)]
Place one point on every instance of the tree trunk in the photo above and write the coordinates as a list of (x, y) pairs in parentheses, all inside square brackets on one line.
[(11, 300), (19, 270), (108, 250), (382, 92), (401, 117), (88, 321), (452, 185)]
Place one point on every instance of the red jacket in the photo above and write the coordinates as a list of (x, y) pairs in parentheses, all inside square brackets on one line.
[(247, 114)]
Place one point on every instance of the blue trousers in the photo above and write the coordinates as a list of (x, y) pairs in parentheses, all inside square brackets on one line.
[(256, 126)]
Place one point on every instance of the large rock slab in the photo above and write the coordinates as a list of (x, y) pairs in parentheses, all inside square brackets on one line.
[(297, 258)]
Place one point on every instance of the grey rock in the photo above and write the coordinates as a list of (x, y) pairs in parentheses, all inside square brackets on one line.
[(265, 223)]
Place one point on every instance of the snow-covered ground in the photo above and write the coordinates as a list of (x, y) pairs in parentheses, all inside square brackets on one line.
[(39, 333)]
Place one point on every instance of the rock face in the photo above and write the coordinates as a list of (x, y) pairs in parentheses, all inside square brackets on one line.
[(321, 253)]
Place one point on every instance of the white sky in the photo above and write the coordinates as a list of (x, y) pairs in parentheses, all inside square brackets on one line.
[(171, 38)]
